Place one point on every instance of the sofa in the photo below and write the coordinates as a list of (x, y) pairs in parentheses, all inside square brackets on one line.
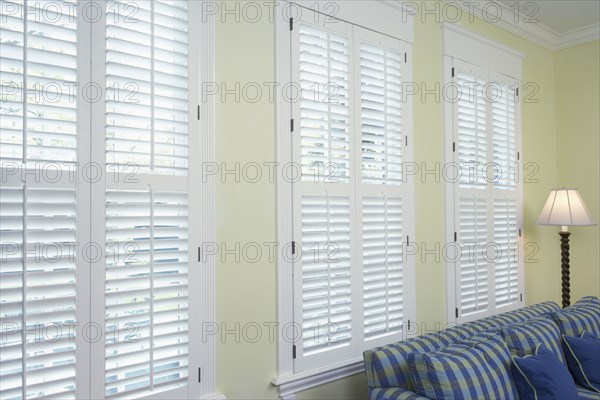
[(388, 368)]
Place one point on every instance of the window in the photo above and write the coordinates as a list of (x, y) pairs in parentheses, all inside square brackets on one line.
[(99, 144), (484, 210), (351, 208)]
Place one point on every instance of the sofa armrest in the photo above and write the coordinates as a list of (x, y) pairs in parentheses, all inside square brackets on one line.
[(394, 393)]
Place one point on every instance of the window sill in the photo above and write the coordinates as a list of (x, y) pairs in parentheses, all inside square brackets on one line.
[(290, 384)]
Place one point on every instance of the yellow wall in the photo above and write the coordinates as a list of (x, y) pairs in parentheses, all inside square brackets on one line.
[(246, 212)]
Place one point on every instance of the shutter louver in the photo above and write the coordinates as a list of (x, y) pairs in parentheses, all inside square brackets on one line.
[(326, 279), (146, 80), (382, 264), (146, 291), (325, 108), (472, 130), (381, 120), (473, 263)]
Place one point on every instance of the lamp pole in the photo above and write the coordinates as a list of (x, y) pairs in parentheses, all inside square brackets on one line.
[(564, 258)]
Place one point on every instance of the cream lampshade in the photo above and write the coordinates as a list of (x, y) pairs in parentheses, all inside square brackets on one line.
[(565, 207)]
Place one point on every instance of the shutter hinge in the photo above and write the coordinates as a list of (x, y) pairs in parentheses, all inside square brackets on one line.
[(199, 375), (455, 237), (198, 112), (405, 58), (453, 72), (293, 247), (292, 124), (291, 24), (518, 156), (456, 312), (521, 296), (406, 141), (517, 92), (519, 232), (453, 146), (294, 351), (407, 241), (408, 325), (199, 254)]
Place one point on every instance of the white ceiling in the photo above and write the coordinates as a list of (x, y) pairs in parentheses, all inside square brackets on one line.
[(561, 17), (554, 24)]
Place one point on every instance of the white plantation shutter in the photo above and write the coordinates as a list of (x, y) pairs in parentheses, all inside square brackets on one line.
[(506, 269), (136, 217), (326, 271), (147, 226), (384, 228), (504, 136), (381, 114), (325, 117), (382, 265), (38, 213), (146, 290), (473, 284), (38, 75), (147, 84), (472, 129), (37, 300), (350, 281), (487, 196)]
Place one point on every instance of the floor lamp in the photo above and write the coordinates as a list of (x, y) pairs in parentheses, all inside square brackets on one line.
[(565, 207)]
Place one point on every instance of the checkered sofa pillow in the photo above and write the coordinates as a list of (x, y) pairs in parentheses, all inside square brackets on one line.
[(466, 370), (523, 338), (581, 316)]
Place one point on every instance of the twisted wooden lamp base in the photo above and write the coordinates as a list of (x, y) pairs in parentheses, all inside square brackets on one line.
[(564, 258)]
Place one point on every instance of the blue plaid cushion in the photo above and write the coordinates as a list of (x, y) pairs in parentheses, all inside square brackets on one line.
[(572, 321), (522, 339), (587, 300), (387, 366), (468, 370)]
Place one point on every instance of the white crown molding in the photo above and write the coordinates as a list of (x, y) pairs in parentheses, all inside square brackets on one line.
[(535, 32), (578, 36)]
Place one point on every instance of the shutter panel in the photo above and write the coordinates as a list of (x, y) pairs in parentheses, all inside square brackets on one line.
[(326, 278), (37, 291), (38, 77), (487, 198), (38, 74), (381, 120), (472, 268), (471, 122), (382, 265), (505, 192), (146, 290), (147, 229), (146, 79), (325, 109), (506, 241)]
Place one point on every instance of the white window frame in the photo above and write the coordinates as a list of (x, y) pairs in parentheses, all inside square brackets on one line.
[(388, 18), (91, 137), (497, 62)]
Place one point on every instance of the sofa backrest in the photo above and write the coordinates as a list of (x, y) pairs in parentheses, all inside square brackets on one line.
[(387, 366)]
